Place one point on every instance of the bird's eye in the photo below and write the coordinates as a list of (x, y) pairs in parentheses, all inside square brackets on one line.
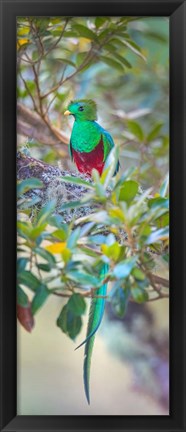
[(81, 108)]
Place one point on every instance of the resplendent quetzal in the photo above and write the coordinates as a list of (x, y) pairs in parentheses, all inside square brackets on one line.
[(90, 146)]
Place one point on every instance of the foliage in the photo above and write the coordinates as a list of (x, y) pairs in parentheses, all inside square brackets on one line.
[(60, 259), (121, 62), (59, 59)]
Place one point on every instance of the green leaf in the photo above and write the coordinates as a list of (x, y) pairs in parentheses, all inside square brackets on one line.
[(109, 47), (21, 264), (119, 301), (99, 21), (71, 205), (84, 278), (162, 221), (123, 60), (72, 240), (100, 191), (112, 63), (164, 186), (116, 214), (24, 229), (65, 60), (70, 34), (76, 304), (36, 231), (136, 129), (138, 274), (139, 294), (60, 234), (148, 260), (28, 184), (112, 251), (153, 134), (69, 323), (84, 32), (118, 42), (77, 180), (134, 47), (22, 298), (80, 57), (88, 251), (45, 212), (56, 220), (128, 191), (40, 298), (28, 279), (159, 202), (31, 85), (158, 235), (44, 267), (110, 166), (29, 202), (124, 176), (46, 255), (144, 230), (86, 228), (97, 238), (156, 36), (124, 268)]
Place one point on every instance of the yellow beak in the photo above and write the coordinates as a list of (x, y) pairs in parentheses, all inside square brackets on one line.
[(67, 113)]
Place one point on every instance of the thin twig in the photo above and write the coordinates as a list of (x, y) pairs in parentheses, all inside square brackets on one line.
[(90, 56), (160, 280), (83, 294), (159, 297), (33, 62), (52, 100), (29, 92), (38, 90)]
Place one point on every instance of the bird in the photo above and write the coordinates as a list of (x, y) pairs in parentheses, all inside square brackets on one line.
[(90, 145)]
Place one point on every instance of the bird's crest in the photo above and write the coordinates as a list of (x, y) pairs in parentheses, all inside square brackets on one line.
[(89, 105)]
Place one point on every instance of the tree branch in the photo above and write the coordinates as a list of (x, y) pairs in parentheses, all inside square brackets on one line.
[(30, 124), (54, 188)]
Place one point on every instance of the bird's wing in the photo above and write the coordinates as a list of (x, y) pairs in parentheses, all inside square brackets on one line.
[(108, 143), (70, 150)]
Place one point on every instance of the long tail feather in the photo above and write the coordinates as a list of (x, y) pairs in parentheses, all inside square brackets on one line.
[(95, 317)]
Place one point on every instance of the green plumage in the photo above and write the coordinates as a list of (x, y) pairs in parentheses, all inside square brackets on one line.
[(89, 111), (90, 146), (87, 136), (94, 321)]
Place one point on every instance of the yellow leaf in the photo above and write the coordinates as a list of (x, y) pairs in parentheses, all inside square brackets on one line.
[(104, 248), (56, 248), (21, 42), (83, 43), (117, 213), (166, 241), (66, 255), (114, 230), (23, 31)]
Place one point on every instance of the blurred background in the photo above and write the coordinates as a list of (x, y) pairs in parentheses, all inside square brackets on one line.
[(123, 64), (129, 371)]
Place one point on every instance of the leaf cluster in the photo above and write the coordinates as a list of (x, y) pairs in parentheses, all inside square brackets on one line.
[(118, 61), (126, 228)]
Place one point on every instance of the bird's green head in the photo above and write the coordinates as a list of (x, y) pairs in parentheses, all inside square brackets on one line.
[(82, 109)]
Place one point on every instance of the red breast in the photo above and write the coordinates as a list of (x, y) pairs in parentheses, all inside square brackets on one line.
[(85, 162)]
